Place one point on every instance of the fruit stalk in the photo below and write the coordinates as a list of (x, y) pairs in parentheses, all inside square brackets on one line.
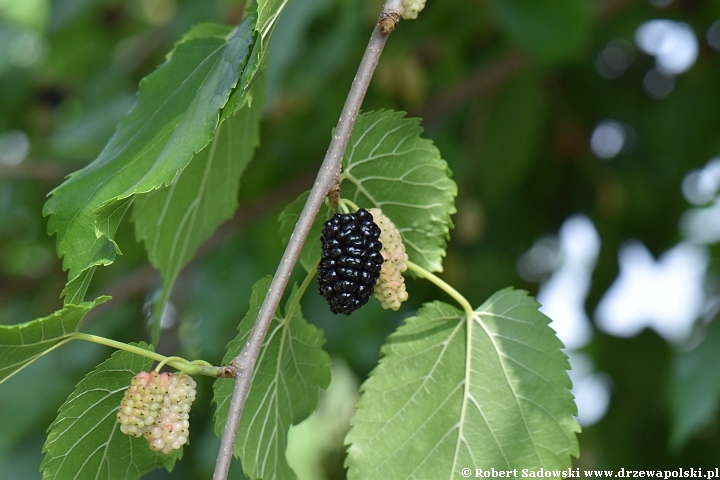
[(443, 285), (195, 367)]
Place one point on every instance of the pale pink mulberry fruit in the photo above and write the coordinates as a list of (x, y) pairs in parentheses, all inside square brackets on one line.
[(157, 406), (390, 288)]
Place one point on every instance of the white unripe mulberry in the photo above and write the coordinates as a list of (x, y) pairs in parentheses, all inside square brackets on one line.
[(390, 288), (411, 8), (142, 402), (157, 406)]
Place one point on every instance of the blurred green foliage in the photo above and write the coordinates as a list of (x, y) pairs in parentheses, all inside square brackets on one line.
[(508, 90)]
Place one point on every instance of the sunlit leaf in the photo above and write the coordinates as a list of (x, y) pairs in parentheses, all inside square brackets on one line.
[(695, 388), (487, 392), (85, 440), (289, 373), (174, 221), (22, 344), (388, 165), (175, 116)]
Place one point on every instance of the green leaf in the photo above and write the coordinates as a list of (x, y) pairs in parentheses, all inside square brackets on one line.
[(511, 140), (487, 392), (201, 30), (175, 117), (108, 218), (75, 289), (268, 13), (388, 165), (289, 373), (173, 222), (24, 343), (85, 440), (551, 30), (695, 388)]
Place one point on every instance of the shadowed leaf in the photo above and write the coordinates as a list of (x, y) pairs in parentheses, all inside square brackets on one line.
[(173, 222), (289, 373), (22, 344), (175, 116)]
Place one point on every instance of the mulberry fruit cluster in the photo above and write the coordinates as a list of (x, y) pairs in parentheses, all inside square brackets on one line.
[(390, 288), (411, 8), (351, 260), (157, 407)]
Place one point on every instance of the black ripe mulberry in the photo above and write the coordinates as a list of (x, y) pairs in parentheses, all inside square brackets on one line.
[(351, 260)]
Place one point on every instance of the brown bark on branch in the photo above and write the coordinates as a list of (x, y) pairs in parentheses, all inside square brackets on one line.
[(328, 176)]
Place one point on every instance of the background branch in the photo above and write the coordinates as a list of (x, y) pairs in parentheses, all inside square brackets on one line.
[(490, 77), (40, 170), (327, 177), (485, 79)]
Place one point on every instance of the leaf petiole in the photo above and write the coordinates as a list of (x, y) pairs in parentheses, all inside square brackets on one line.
[(197, 367), (469, 312), (160, 365)]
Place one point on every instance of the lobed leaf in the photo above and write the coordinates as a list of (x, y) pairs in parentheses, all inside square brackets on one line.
[(451, 392), (22, 344), (289, 373), (389, 166), (173, 222), (85, 440), (175, 116)]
